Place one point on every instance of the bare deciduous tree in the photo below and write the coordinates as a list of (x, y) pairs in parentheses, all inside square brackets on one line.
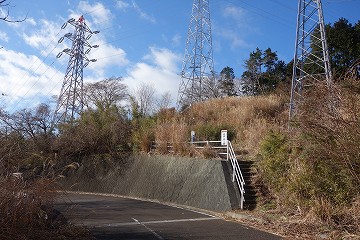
[(5, 4), (34, 124), (145, 98), (164, 101), (105, 93)]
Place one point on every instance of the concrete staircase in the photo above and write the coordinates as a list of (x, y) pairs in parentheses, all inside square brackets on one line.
[(248, 171)]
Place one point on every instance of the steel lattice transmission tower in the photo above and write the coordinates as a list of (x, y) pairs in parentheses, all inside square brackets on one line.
[(197, 75), (70, 102), (311, 59)]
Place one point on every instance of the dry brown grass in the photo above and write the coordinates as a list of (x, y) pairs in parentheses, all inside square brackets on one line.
[(298, 226), (26, 211), (172, 132), (247, 118), (21, 205)]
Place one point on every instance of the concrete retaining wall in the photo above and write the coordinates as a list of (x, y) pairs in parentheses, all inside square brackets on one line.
[(193, 182)]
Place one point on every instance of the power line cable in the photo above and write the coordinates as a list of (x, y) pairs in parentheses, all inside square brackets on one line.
[(33, 71), (33, 65), (294, 9), (33, 85), (261, 12)]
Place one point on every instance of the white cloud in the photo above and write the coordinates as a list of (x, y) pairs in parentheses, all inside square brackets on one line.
[(122, 4), (234, 12), (234, 37), (48, 33), (4, 37), (107, 56), (12, 20), (163, 58), (26, 77), (238, 27), (30, 21), (142, 13), (160, 71), (239, 18), (98, 12), (3, 12), (176, 40)]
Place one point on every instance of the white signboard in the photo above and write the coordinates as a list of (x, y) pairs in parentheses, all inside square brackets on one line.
[(224, 140)]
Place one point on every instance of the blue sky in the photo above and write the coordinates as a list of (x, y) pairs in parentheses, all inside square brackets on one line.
[(142, 41)]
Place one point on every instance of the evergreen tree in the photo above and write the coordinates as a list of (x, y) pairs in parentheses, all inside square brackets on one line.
[(263, 72), (344, 45), (251, 76), (226, 82), (343, 40)]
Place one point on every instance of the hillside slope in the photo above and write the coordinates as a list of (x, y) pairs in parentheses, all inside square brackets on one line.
[(247, 119)]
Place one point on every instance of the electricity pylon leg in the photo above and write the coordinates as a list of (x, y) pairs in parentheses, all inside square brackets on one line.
[(311, 58)]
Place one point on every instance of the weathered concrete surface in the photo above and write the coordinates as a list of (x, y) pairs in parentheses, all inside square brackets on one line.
[(193, 182)]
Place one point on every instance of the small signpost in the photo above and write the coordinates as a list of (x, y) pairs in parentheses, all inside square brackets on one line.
[(224, 139), (192, 136)]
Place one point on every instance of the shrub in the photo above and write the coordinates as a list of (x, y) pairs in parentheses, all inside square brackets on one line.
[(143, 133), (315, 166), (21, 206), (210, 132), (331, 139), (96, 132), (274, 163)]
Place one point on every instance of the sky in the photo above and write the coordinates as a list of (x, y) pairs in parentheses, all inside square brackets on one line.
[(141, 41)]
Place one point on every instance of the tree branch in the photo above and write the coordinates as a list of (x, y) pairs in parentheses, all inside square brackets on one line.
[(6, 18)]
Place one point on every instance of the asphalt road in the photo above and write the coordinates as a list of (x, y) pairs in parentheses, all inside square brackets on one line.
[(122, 218)]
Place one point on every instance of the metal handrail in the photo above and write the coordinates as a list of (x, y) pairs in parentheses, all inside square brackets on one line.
[(208, 143), (237, 174)]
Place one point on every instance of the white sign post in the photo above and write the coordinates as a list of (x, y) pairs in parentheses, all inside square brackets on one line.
[(192, 136), (224, 140)]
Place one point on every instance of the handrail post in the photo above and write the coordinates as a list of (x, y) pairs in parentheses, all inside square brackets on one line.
[(242, 201), (227, 151)]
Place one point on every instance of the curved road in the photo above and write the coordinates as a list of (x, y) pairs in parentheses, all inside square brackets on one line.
[(122, 218)]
